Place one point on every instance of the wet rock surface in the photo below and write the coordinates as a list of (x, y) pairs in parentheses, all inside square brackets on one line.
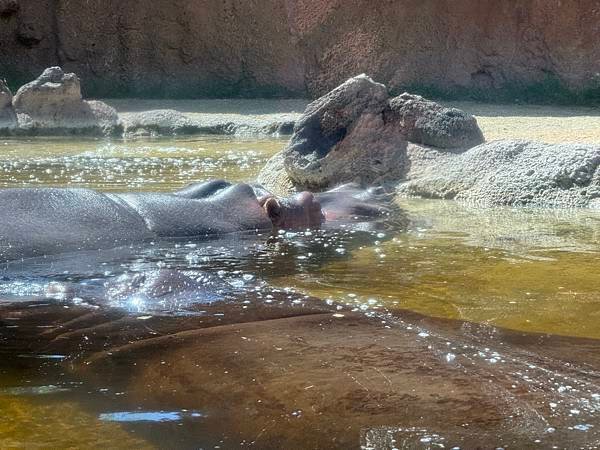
[(52, 104), (516, 173)]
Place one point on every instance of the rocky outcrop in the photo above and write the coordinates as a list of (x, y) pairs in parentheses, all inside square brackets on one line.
[(52, 104), (356, 133), (224, 48), (274, 177), (8, 118), (515, 173)]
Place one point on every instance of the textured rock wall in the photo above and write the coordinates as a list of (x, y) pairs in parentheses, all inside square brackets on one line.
[(194, 48)]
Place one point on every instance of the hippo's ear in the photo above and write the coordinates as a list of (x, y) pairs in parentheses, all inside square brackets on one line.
[(273, 209)]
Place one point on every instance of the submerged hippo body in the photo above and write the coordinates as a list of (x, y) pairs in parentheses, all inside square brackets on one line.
[(42, 221), (45, 221)]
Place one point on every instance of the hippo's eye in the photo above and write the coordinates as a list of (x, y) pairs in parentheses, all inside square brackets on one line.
[(273, 208)]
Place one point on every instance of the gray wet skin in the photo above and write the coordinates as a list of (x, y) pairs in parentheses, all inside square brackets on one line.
[(45, 221)]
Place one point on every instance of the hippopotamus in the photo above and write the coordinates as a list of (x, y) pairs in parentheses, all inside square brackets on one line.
[(45, 221), (158, 290)]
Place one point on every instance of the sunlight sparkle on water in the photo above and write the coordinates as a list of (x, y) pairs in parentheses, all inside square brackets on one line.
[(149, 416)]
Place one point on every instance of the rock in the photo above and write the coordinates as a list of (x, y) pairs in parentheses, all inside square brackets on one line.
[(426, 122), (52, 104), (280, 128), (170, 122), (356, 134), (342, 137), (8, 118), (158, 122), (506, 172), (8, 8), (274, 177)]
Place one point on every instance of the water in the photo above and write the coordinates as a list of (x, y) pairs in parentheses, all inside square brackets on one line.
[(130, 165), (452, 326)]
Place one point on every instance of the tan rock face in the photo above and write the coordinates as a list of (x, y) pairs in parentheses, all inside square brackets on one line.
[(303, 47), (53, 101)]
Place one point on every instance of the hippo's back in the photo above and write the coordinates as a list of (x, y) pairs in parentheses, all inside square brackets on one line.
[(201, 210), (43, 221)]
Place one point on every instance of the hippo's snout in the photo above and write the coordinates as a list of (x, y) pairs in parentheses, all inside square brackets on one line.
[(301, 211)]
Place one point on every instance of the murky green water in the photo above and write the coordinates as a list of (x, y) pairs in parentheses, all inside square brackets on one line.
[(522, 270)]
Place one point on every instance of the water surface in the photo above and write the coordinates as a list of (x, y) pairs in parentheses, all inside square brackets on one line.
[(451, 325)]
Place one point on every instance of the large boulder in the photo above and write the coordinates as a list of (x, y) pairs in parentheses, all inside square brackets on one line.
[(356, 133), (508, 172), (342, 137), (8, 118), (52, 104), (425, 122)]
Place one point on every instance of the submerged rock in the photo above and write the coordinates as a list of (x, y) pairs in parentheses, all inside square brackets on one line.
[(52, 104), (507, 172), (8, 118), (356, 133)]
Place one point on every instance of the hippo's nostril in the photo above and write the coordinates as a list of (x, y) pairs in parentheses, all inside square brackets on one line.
[(305, 198)]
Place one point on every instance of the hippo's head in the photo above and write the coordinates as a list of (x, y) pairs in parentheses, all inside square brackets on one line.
[(300, 211)]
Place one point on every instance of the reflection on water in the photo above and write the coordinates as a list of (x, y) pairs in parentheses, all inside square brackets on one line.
[(530, 270), (301, 339), (149, 416), (34, 390), (46, 417), (131, 165)]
